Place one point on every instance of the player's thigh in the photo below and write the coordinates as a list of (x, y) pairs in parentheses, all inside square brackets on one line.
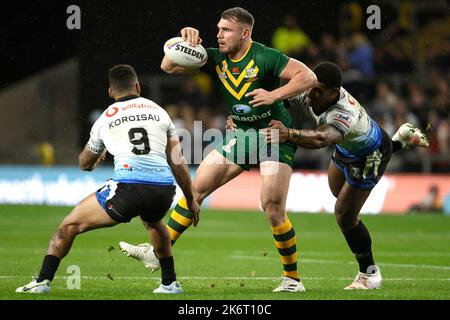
[(214, 171), (88, 215), (275, 184), (336, 179)]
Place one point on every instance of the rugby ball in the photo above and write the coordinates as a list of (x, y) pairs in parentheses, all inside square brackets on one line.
[(177, 50)]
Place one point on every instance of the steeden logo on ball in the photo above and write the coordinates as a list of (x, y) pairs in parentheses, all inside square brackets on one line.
[(185, 55)]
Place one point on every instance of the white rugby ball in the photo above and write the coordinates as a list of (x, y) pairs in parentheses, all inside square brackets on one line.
[(177, 50)]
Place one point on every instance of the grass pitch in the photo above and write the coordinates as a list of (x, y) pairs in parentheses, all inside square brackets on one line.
[(230, 255)]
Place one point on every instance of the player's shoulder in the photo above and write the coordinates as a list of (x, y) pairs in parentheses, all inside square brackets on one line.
[(211, 50), (154, 106), (214, 53), (346, 102), (149, 102), (269, 57), (260, 48), (131, 106)]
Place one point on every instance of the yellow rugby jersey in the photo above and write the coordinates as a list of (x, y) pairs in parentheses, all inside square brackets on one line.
[(260, 67)]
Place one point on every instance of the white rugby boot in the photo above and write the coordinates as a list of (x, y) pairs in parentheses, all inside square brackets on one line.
[(174, 287), (366, 281), (143, 253), (410, 136), (35, 287), (290, 285)]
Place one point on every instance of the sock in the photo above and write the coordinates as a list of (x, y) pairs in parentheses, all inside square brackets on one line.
[(49, 267), (167, 271), (396, 146), (285, 241), (180, 219), (360, 243)]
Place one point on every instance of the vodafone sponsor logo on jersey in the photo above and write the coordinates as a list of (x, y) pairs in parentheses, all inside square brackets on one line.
[(112, 111)]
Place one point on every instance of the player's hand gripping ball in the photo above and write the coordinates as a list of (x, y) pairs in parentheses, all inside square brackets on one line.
[(185, 55)]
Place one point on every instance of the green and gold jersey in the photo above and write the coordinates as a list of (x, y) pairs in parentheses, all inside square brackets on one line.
[(260, 67)]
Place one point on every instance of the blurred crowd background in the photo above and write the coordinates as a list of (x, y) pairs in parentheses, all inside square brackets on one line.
[(399, 73)]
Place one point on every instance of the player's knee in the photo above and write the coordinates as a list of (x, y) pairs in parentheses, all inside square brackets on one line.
[(339, 209), (340, 220), (70, 228), (275, 220), (340, 214), (274, 211), (199, 192), (269, 205), (345, 220)]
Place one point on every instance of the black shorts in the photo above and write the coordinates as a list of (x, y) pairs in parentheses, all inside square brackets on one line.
[(365, 172), (124, 201)]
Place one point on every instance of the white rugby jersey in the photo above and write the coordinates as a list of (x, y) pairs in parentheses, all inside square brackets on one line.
[(362, 135), (135, 131)]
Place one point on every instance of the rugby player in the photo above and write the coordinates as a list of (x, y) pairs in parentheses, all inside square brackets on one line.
[(142, 138), (363, 150), (248, 75)]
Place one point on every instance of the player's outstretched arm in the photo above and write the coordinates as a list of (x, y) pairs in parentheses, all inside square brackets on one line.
[(299, 78), (170, 67), (181, 173), (192, 37), (88, 160), (321, 137)]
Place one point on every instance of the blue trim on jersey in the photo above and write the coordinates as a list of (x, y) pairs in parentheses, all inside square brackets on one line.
[(144, 182), (369, 183), (102, 194), (368, 150), (155, 175), (338, 166), (345, 152), (366, 185)]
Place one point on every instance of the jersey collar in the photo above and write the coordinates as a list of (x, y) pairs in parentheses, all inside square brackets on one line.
[(126, 98), (245, 54)]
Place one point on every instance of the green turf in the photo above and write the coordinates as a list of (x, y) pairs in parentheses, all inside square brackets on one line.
[(231, 255)]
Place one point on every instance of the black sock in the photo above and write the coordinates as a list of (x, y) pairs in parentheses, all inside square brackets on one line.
[(360, 243), (49, 267), (396, 146), (167, 271)]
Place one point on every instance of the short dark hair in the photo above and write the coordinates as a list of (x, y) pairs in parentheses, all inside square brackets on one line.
[(122, 77), (329, 74), (239, 14)]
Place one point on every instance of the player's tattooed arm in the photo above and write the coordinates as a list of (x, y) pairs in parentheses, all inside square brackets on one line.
[(323, 136), (88, 160), (181, 173), (170, 67)]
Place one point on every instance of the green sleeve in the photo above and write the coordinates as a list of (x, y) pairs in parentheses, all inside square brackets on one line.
[(213, 56), (275, 61)]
